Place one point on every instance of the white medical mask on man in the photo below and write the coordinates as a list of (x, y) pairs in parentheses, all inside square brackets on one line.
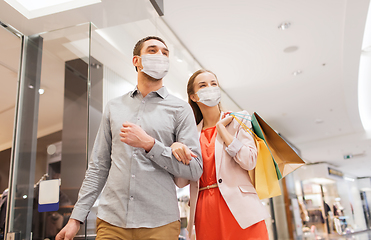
[(210, 96), (155, 65)]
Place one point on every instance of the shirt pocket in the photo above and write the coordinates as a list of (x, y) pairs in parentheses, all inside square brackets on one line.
[(247, 189)]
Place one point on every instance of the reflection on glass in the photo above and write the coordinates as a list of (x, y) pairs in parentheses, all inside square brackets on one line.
[(55, 129), (10, 49)]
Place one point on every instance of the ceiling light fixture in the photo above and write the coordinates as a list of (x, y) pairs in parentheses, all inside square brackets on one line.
[(297, 72), (366, 49), (39, 8), (41, 91), (364, 74), (284, 25), (290, 49)]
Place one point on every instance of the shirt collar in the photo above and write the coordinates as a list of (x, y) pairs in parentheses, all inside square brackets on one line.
[(162, 92)]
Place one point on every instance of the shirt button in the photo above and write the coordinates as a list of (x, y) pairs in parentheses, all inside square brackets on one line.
[(220, 180), (133, 176), (151, 156), (131, 198), (165, 167), (143, 101), (138, 118)]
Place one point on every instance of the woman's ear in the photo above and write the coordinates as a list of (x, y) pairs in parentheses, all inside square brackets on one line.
[(193, 97)]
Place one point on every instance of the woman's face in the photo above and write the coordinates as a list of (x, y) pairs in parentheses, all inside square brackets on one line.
[(203, 80)]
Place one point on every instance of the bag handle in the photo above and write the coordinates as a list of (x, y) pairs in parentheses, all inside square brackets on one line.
[(253, 135)]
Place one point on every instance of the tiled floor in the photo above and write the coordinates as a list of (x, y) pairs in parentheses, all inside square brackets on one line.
[(365, 235), (356, 236)]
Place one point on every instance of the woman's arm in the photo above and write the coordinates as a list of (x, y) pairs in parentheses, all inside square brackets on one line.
[(241, 147), (224, 134)]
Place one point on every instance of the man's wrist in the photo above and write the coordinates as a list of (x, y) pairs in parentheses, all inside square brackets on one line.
[(149, 144), (76, 221)]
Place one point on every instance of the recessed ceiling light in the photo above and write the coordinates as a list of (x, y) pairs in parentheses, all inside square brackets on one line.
[(318, 120), (290, 49), (38, 8), (297, 72), (284, 25), (41, 91)]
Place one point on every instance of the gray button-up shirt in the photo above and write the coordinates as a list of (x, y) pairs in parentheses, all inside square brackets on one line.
[(139, 187)]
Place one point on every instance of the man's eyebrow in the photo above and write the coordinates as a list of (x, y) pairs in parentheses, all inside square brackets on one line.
[(155, 46)]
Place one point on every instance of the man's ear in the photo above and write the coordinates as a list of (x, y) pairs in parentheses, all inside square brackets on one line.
[(136, 62)]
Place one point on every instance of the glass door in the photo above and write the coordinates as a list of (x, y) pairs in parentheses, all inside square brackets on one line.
[(50, 139), (10, 52)]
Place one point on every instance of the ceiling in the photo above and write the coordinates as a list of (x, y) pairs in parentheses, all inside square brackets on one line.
[(316, 110)]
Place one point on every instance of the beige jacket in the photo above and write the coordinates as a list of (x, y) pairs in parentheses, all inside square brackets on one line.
[(232, 177)]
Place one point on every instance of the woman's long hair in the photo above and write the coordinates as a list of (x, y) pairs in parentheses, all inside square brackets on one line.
[(190, 90)]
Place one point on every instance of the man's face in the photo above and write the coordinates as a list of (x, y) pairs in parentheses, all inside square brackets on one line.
[(154, 46), (151, 46)]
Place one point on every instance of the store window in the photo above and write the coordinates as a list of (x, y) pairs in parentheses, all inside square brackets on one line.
[(331, 203)]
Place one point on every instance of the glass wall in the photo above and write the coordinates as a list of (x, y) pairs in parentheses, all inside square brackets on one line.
[(10, 50), (51, 129)]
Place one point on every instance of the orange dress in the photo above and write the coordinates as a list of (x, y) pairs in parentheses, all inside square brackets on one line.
[(213, 219)]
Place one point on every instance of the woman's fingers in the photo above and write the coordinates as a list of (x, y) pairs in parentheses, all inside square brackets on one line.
[(177, 156)]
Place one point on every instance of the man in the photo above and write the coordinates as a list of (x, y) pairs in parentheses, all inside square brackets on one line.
[(132, 156)]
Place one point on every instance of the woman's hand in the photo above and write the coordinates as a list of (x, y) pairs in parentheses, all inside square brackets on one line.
[(182, 153), (222, 131), (225, 121)]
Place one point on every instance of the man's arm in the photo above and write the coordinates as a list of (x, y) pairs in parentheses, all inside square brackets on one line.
[(186, 133), (162, 155), (94, 181)]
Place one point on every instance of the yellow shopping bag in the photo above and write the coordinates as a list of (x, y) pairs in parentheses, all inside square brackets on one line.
[(263, 176)]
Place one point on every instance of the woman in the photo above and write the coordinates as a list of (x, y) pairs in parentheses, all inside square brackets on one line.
[(224, 204)]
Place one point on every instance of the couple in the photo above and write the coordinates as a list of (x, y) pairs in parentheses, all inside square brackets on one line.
[(147, 140)]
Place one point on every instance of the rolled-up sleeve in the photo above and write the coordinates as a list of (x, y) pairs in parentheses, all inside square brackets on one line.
[(234, 147)]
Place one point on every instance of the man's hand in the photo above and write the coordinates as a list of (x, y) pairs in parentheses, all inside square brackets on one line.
[(182, 153), (69, 231), (135, 136)]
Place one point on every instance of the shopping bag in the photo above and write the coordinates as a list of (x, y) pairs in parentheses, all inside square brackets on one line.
[(285, 158), (263, 176)]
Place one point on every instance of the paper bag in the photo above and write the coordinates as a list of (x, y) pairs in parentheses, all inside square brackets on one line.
[(263, 176), (285, 158)]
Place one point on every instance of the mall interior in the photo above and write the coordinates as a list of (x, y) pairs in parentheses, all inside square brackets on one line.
[(304, 66)]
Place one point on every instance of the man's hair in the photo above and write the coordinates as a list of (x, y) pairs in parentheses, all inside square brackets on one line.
[(138, 47)]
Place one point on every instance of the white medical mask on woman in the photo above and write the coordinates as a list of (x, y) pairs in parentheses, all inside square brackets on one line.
[(210, 96), (155, 65)]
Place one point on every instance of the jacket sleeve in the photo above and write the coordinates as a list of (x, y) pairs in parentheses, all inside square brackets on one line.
[(243, 149)]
